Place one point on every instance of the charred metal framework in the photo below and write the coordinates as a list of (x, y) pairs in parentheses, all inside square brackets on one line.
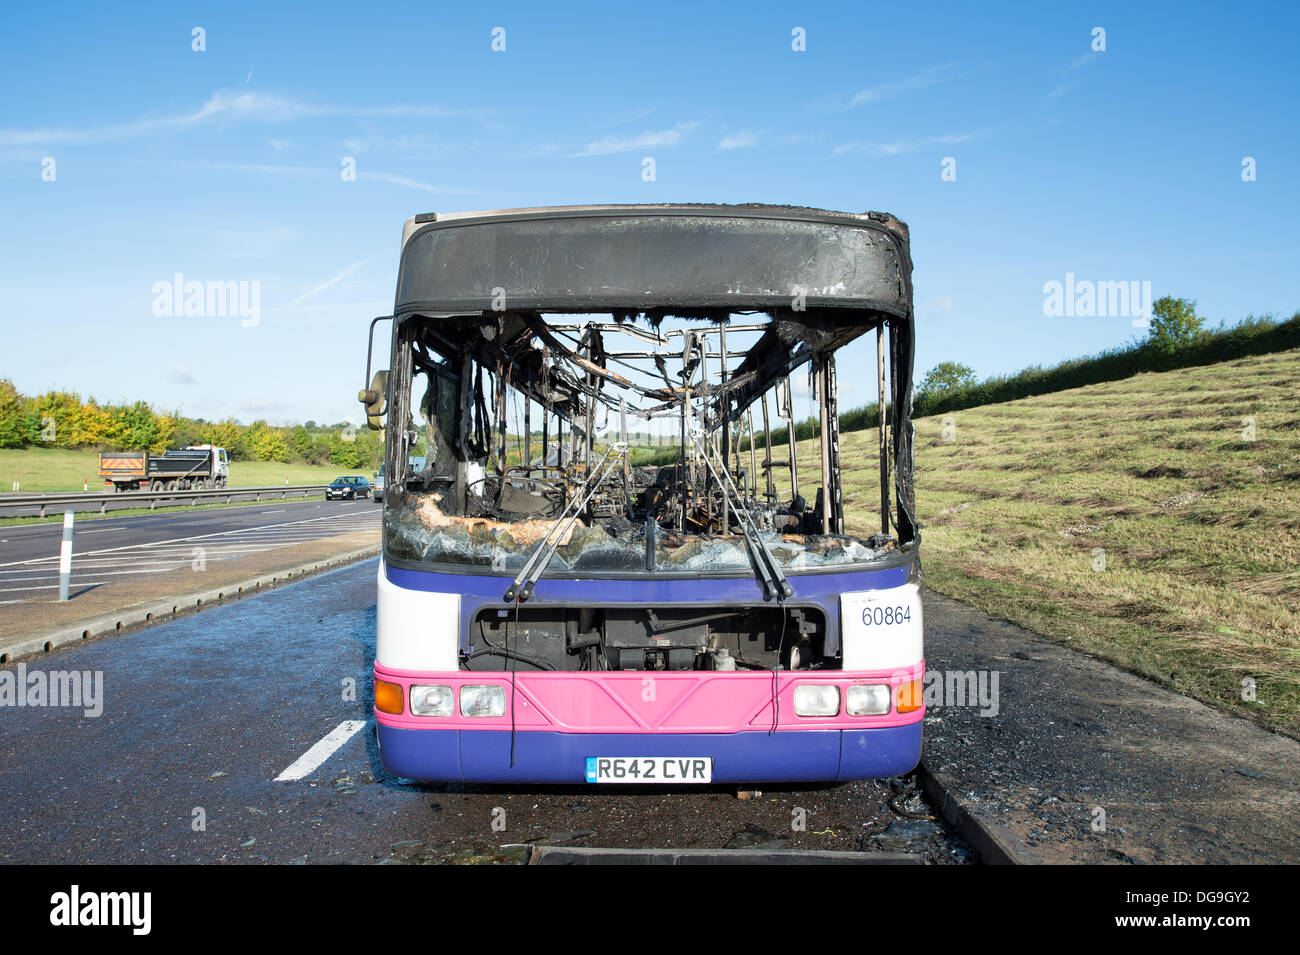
[(578, 319)]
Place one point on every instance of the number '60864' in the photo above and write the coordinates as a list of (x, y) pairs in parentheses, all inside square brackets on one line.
[(886, 616)]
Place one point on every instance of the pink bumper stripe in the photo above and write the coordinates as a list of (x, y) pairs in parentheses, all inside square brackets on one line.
[(687, 701)]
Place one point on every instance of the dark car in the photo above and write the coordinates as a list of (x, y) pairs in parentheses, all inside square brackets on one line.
[(348, 488)]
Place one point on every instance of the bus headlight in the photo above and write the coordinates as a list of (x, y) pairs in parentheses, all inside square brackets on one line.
[(431, 700), (872, 700), (482, 701), (813, 699)]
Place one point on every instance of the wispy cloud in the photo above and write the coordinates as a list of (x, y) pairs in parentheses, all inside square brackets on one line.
[(646, 140), (177, 375), (940, 305), (1062, 88), (877, 150), (347, 308), (919, 81), (426, 146), (799, 139), (611, 118), (1086, 59), (223, 106), (1082, 61), (316, 172), (397, 180), (743, 139), (327, 284), (240, 166), (247, 241)]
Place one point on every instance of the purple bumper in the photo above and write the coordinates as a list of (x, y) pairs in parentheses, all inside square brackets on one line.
[(483, 756)]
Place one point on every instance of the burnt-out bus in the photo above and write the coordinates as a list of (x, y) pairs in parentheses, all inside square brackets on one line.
[(605, 558)]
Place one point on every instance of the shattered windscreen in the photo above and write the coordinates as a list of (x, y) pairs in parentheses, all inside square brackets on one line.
[(422, 531), (620, 444)]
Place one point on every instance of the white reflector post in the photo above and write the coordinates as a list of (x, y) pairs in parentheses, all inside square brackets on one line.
[(65, 556)]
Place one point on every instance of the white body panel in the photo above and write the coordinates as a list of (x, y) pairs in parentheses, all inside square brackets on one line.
[(416, 629), (881, 629)]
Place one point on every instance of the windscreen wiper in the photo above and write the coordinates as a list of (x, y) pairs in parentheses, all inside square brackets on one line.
[(769, 571), (522, 587)]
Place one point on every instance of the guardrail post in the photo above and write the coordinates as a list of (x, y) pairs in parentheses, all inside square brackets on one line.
[(65, 556)]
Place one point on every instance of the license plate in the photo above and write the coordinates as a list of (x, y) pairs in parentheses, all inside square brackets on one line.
[(649, 769)]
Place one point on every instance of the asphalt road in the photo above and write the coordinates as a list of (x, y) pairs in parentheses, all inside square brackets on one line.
[(32, 541), (122, 551), (201, 715), (1087, 763)]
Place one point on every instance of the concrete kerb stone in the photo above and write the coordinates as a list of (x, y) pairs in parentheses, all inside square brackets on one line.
[(566, 855), (996, 844), (16, 648)]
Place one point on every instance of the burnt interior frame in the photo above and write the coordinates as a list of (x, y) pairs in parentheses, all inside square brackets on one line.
[(792, 339)]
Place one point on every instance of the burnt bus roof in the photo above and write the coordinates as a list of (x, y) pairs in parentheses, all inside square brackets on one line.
[(660, 257)]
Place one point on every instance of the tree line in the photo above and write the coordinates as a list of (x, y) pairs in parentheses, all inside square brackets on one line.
[(62, 419)]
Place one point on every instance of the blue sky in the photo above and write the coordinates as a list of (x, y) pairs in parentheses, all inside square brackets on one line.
[(224, 165)]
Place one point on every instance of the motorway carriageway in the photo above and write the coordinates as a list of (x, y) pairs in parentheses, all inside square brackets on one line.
[(108, 548)]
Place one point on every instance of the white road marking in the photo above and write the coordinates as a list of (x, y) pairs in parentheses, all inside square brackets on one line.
[(310, 525), (177, 553), (310, 761), (74, 583)]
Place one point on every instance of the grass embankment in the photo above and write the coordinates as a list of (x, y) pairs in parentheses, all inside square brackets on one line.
[(54, 469), (1198, 523)]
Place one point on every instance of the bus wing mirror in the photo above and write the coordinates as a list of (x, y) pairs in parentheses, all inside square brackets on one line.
[(375, 398)]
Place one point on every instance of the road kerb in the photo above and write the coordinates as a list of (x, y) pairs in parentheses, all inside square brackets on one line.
[(566, 855), (996, 844)]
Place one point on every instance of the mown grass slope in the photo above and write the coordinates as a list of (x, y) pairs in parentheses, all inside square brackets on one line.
[(1197, 519)]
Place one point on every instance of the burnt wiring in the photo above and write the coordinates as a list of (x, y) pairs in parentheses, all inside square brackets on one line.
[(493, 649), (513, 688), (776, 670)]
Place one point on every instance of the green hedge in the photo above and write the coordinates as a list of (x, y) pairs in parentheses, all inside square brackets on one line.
[(1254, 336)]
